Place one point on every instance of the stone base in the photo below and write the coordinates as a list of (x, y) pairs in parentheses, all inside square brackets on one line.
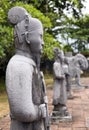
[(58, 118)]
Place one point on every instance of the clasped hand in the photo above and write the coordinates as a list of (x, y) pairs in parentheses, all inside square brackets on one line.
[(42, 109)]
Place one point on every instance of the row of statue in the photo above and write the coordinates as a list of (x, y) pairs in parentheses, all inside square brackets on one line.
[(65, 68), (25, 83)]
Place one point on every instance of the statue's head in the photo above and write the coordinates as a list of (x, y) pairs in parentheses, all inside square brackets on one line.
[(59, 54), (55, 50), (16, 14), (34, 35), (28, 31), (82, 61)]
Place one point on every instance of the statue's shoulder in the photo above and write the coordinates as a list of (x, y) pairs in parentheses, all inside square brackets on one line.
[(22, 59), (56, 63)]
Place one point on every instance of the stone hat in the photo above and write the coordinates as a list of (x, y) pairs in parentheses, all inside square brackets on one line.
[(16, 14)]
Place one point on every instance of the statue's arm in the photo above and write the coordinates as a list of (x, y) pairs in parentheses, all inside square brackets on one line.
[(35, 112), (19, 89), (58, 72)]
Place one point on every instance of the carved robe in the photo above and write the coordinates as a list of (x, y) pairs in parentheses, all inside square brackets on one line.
[(59, 95), (24, 93)]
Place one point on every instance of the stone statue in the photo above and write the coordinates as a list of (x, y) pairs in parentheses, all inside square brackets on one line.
[(68, 79), (68, 60), (23, 77), (81, 65), (59, 92), (76, 64)]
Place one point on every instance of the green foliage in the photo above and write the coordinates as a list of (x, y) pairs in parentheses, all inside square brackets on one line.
[(6, 31), (2, 85), (60, 5), (50, 43), (79, 30), (36, 13), (68, 48), (75, 32), (85, 52), (48, 12), (6, 39), (55, 9), (4, 6)]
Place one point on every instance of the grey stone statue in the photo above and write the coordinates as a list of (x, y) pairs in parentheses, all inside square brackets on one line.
[(76, 64), (68, 79), (23, 77), (59, 92), (81, 65)]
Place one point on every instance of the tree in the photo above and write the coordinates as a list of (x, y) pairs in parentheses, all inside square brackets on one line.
[(55, 9), (6, 31), (49, 40), (76, 32), (80, 32), (49, 12)]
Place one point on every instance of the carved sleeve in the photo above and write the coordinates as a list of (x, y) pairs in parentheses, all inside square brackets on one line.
[(58, 72), (19, 89)]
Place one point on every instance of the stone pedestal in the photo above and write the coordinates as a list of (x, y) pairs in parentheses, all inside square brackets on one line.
[(57, 117)]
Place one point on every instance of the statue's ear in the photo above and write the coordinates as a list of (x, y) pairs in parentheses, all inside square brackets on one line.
[(27, 37), (27, 34)]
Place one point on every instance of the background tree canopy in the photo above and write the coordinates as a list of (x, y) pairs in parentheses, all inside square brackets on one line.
[(55, 22)]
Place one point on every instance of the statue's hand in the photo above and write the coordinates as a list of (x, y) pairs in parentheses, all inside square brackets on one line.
[(46, 99), (63, 76), (42, 109)]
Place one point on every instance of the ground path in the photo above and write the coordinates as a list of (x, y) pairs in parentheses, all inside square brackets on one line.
[(78, 107)]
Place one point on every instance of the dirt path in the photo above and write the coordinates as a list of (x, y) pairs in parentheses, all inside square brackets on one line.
[(5, 123)]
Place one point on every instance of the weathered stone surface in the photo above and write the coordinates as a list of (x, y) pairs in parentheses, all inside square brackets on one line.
[(23, 77)]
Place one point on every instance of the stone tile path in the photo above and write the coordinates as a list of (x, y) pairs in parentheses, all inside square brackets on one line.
[(78, 107)]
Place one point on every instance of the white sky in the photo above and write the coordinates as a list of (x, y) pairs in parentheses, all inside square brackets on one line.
[(86, 9)]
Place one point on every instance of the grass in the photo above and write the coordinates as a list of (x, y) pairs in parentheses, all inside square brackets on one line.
[(48, 80), (2, 85), (4, 107)]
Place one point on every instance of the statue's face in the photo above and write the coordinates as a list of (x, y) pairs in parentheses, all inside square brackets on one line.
[(35, 36), (36, 41), (61, 56)]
